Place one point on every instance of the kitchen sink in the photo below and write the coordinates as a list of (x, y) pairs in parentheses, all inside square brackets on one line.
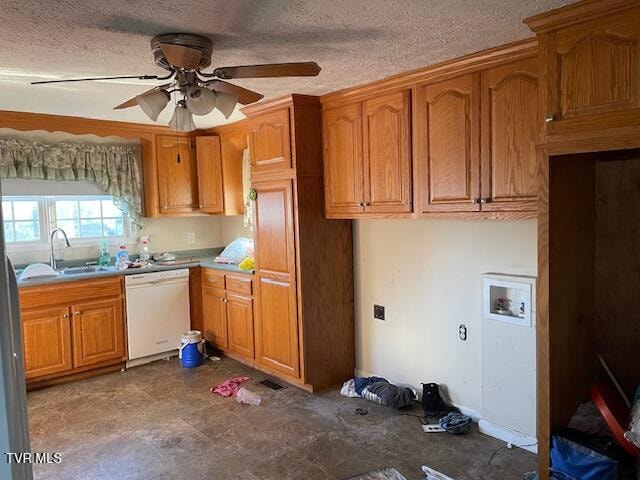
[(84, 270)]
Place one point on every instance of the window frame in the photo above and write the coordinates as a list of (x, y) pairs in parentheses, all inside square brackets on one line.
[(47, 220)]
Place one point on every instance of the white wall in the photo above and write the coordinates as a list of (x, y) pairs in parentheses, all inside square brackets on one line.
[(427, 275), (233, 227)]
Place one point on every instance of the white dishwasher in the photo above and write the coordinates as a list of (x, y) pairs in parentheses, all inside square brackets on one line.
[(157, 313)]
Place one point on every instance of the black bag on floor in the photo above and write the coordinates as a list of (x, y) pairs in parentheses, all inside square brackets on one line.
[(432, 403)]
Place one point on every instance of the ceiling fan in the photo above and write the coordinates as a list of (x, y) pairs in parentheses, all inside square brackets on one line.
[(185, 56)]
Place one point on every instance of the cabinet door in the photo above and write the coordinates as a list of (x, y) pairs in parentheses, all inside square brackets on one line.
[(448, 132), (46, 336), (592, 73), (209, 162), (240, 322), (510, 133), (387, 153), (214, 316), (270, 142), (343, 161), (277, 319), (98, 332), (233, 143), (177, 177)]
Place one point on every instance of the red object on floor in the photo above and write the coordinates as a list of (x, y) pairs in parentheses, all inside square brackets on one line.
[(615, 412), (230, 387)]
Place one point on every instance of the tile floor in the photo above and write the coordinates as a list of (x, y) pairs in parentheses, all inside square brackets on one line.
[(159, 421)]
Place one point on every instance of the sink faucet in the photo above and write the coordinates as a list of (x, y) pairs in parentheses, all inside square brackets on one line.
[(53, 255)]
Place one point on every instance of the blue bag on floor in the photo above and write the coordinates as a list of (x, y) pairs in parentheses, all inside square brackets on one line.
[(580, 456), (572, 461)]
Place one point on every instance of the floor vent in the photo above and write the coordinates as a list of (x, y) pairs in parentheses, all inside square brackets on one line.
[(271, 384)]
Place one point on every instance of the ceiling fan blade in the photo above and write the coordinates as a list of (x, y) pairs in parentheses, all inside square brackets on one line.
[(180, 56), (132, 102), (91, 79), (245, 96), (301, 69)]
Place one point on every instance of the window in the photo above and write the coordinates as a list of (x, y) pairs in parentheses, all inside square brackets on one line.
[(28, 220), (21, 217), (87, 217)]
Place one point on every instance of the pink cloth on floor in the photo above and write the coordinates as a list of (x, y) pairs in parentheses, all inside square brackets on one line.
[(230, 387)]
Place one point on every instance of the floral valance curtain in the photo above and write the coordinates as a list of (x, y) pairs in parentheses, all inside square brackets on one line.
[(113, 168)]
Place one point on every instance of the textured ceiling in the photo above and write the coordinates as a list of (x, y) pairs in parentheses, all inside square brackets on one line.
[(354, 41)]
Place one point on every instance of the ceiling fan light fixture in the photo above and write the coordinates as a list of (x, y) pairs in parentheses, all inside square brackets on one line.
[(200, 101), (226, 103), (153, 103), (182, 120)]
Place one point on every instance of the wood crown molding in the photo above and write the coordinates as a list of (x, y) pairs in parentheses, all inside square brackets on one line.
[(280, 102), (577, 13), (510, 52), (25, 121)]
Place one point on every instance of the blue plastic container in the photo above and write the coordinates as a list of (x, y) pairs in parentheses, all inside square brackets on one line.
[(191, 355)]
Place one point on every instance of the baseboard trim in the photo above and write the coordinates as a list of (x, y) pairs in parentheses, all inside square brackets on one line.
[(515, 438)]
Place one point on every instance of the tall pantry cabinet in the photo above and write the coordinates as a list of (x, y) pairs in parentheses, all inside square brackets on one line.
[(304, 314)]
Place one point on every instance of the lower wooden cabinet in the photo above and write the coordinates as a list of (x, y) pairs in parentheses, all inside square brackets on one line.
[(227, 312), (98, 332), (214, 316), (46, 336), (240, 324), (63, 333)]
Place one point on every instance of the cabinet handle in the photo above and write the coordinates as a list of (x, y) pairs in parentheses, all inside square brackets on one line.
[(549, 118), (66, 315), (77, 313), (366, 204), (483, 200), (475, 200), (361, 204)]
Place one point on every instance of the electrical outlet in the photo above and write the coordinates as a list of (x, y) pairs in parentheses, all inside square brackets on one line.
[(378, 312), (462, 332), (191, 238)]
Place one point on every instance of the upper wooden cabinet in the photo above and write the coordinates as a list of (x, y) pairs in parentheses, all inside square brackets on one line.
[(233, 139), (448, 139), (510, 132), (387, 153), (177, 175), (367, 156), (269, 142), (209, 162), (590, 58), (343, 161)]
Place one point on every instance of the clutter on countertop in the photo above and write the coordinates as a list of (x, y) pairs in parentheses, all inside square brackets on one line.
[(247, 397), (143, 253), (247, 264), (163, 257), (104, 259), (230, 387), (236, 251), (37, 270), (122, 258)]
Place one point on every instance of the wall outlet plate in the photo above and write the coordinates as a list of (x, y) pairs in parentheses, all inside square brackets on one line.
[(462, 332), (378, 312)]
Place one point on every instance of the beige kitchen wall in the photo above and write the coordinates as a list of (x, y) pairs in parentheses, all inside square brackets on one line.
[(166, 234), (233, 227), (427, 275)]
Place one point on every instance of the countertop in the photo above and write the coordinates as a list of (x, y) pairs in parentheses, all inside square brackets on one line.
[(182, 261)]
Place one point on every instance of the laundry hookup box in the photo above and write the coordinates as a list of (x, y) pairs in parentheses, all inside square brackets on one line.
[(509, 298)]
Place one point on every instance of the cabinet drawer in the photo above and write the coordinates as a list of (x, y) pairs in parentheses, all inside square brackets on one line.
[(212, 278), (239, 284), (67, 293)]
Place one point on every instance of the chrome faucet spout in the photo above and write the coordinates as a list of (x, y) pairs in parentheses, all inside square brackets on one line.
[(52, 258)]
